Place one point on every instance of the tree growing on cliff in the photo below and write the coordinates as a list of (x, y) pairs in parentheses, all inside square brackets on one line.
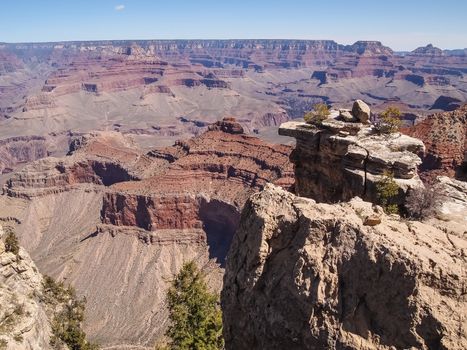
[(68, 312), (386, 190), (319, 113), (389, 121), (195, 315), (11, 242)]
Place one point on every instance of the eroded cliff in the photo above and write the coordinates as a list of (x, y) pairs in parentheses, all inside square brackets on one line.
[(338, 160), (303, 275), (25, 319)]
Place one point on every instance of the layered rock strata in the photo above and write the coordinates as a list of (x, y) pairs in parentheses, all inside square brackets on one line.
[(339, 160), (302, 275)]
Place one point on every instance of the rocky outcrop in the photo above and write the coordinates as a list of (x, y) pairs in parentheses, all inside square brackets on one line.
[(339, 160), (370, 48), (16, 150), (25, 322), (428, 50), (454, 205), (228, 125), (302, 275), (445, 137), (101, 159)]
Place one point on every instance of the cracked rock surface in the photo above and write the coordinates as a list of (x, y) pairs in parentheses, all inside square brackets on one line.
[(303, 275), (338, 160)]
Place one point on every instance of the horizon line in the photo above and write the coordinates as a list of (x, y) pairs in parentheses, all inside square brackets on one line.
[(206, 39)]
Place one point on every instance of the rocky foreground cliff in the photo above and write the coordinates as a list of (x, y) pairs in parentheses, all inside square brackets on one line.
[(25, 319), (303, 275)]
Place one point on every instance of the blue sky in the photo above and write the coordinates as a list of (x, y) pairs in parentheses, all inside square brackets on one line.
[(402, 25)]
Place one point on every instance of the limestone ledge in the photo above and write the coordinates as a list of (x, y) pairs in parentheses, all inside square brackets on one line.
[(339, 160)]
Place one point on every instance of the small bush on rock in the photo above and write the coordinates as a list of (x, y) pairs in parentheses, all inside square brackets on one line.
[(319, 113), (422, 203), (386, 190), (389, 121)]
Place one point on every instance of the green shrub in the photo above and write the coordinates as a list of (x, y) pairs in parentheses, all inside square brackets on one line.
[(68, 316), (389, 121), (11, 242), (319, 114), (386, 191), (196, 318)]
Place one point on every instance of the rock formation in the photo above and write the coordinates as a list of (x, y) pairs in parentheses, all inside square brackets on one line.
[(445, 137), (302, 275), (338, 160), (361, 111)]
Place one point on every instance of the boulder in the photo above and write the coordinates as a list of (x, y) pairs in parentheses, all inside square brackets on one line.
[(361, 111), (372, 220), (346, 115)]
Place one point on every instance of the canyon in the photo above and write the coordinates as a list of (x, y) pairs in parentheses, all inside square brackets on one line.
[(122, 160), (160, 91), (116, 222)]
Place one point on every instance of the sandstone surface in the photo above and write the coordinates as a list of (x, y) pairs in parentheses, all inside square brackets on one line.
[(302, 275)]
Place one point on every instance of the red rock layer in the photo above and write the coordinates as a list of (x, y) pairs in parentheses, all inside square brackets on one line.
[(221, 165), (445, 137), (178, 187)]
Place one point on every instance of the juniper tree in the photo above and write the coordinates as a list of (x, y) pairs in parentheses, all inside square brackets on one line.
[(195, 315)]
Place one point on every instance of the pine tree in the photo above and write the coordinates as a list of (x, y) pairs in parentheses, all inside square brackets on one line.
[(196, 319)]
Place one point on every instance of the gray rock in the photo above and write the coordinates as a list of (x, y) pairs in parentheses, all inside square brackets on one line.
[(346, 115), (361, 111)]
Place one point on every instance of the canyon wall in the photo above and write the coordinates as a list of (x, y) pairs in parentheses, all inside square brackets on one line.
[(116, 222), (445, 137)]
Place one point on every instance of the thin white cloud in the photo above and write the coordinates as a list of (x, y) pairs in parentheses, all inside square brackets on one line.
[(119, 7)]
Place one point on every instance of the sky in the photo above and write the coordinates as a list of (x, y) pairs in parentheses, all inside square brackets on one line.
[(399, 24)]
